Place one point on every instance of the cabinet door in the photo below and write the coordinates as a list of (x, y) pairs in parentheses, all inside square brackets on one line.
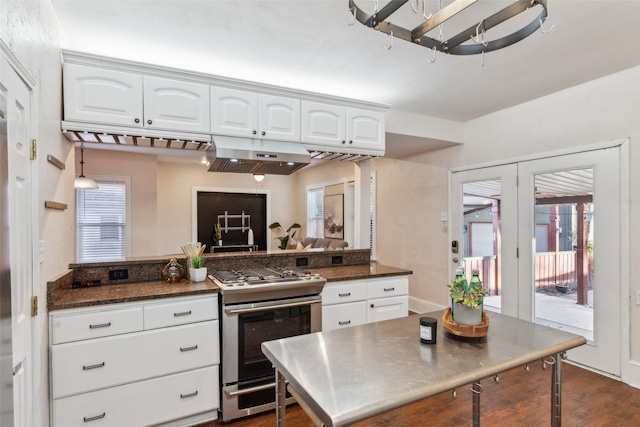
[(387, 308), (279, 118), (323, 124), (234, 112), (176, 105), (344, 315), (98, 95), (365, 129)]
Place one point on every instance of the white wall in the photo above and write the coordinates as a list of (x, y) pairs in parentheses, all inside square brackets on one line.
[(412, 193), (31, 30)]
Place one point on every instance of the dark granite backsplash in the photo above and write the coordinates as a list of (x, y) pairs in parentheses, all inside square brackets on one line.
[(149, 269)]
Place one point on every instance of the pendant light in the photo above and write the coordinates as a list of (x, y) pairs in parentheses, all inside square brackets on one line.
[(258, 177), (82, 181)]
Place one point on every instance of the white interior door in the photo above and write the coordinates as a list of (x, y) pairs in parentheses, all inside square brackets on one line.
[(20, 238), (485, 199), (580, 195)]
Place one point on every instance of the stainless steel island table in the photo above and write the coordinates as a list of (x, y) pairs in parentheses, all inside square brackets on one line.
[(347, 375)]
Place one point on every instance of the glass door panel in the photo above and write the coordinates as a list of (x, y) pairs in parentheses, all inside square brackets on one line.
[(563, 272)]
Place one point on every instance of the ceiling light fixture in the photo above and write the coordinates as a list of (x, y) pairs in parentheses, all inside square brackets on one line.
[(82, 181), (468, 42), (258, 177)]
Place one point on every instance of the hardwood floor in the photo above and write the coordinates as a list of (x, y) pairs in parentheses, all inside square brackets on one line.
[(520, 399)]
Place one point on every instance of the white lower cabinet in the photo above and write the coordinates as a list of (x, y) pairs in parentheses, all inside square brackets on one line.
[(157, 364), (356, 302), (143, 403)]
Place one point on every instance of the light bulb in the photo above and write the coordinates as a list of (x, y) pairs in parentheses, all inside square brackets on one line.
[(258, 177)]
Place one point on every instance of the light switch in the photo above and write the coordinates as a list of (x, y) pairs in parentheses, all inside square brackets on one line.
[(444, 216), (637, 297)]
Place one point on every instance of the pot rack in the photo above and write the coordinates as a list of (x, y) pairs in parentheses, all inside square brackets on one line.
[(454, 45)]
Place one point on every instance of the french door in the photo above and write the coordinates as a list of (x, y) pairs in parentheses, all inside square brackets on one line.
[(556, 244)]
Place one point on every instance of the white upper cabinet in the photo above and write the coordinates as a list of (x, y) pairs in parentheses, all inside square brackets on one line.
[(176, 105), (345, 129), (365, 129), (279, 117), (98, 95), (243, 113), (323, 124), (234, 112)]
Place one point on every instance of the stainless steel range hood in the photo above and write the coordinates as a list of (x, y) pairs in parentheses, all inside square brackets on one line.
[(257, 156)]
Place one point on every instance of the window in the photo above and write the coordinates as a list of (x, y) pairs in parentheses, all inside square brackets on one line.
[(101, 222), (315, 212), (315, 217)]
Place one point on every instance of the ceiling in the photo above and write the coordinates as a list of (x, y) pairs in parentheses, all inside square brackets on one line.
[(307, 44)]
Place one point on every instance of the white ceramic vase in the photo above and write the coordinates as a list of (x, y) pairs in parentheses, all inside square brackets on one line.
[(464, 315), (198, 274)]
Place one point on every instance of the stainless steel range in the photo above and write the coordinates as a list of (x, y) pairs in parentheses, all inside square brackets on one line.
[(261, 304)]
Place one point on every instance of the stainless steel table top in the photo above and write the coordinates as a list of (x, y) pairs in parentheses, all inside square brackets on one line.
[(350, 374)]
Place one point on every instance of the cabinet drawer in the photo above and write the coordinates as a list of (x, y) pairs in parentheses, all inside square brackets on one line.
[(382, 288), (143, 403), (180, 313), (100, 324), (344, 315), (83, 366), (340, 292)]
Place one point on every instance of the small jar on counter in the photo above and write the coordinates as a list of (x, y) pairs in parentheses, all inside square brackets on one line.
[(428, 331)]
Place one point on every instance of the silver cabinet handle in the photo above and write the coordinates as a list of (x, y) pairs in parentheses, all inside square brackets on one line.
[(389, 289), (255, 131), (346, 322), (350, 142), (250, 390), (136, 120), (184, 396), (263, 133), (97, 417), (183, 313), (193, 347), (149, 122), (346, 294), (100, 325), (97, 365)]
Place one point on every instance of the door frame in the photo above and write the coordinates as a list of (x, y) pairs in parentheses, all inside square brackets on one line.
[(37, 325), (623, 144)]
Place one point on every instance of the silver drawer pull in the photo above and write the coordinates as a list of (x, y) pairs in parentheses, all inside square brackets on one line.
[(98, 365), (346, 294), (100, 325), (97, 417), (184, 313), (195, 347), (389, 289), (184, 396), (344, 323)]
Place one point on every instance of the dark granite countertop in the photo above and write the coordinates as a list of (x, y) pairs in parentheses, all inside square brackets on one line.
[(60, 294), (356, 272)]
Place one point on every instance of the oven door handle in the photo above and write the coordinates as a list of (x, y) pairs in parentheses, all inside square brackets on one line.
[(270, 307)]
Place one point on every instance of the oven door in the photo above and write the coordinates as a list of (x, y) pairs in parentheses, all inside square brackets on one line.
[(248, 378)]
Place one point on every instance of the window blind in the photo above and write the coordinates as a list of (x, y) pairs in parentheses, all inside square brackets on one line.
[(315, 212), (101, 216)]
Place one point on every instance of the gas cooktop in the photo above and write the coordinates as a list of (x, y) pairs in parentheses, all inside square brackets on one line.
[(265, 283)]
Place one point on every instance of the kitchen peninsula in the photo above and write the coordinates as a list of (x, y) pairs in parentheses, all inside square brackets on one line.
[(136, 335)]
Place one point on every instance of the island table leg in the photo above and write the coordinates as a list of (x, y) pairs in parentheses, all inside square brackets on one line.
[(281, 397), (476, 390), (556, 392)]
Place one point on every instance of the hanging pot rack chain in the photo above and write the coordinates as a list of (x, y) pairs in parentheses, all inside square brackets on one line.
[(454, 45)]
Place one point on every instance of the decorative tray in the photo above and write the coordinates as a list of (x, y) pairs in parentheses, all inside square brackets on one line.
[(464, 330)]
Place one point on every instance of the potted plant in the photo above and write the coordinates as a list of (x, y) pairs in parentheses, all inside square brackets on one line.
[(467, 299), (217, 233), (197, 271), (285, 235)]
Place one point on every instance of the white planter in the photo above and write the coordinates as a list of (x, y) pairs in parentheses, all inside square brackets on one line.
[(464, 315), (198, 274)]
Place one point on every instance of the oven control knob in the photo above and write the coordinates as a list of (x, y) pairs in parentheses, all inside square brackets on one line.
[(316, 276)]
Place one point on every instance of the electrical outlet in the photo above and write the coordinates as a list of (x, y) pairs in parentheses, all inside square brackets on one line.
[(444, 216), (336, 259), (301, 262), (119, 274)]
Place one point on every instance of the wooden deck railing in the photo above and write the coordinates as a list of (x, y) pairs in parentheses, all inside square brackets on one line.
[(551, 268)]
